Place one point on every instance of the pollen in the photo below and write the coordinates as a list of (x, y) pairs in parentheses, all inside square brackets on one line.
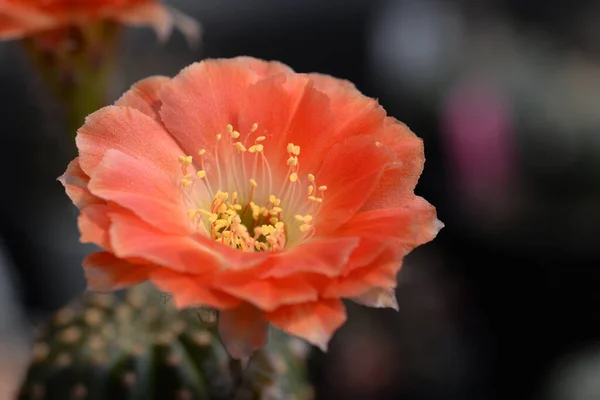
[(185, 160)]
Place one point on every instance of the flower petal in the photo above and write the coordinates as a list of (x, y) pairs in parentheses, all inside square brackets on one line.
[(397, 184), (105, 272), (381, 273), (287, 108), (161, 18), (351, 171), (355, 114), (143, 96), (131, 132), (191, 290), (75, 182), (143, 188), (131, 237), (315, 322), (94, 223), (197, 254), (267, 294), (409, 226), (204, 97), (326, 256), (378, 298), (242, 330)]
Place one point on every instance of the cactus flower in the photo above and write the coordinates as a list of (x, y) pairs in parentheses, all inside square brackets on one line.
[(21, 18), (243, 186)]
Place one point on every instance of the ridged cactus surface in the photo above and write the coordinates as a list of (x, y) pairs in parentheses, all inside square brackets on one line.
[(137, 346)]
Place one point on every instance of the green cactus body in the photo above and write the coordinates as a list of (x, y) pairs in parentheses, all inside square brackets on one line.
[(137, 346)]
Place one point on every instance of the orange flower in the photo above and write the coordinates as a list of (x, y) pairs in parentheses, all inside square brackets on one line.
[(20, 18), (241, 185)]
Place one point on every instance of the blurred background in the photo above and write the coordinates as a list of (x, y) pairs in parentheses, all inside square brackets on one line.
[(506, 95)]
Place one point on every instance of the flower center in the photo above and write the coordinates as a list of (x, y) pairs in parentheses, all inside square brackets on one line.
[(229, 205)]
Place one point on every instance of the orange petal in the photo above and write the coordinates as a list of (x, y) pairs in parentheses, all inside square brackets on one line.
[(191, 290), (397, 184), (351, 171), (161, 18), (381, 273), (143, 188), (197, 254), (355, 114), (131, 132), (75, 182), (143, 96), (378, 298), (204, 97), (315, 322), (242, 330), (409, 226), (105, 272), (94, 223), (297, 113), (326, 256), (267, 294)]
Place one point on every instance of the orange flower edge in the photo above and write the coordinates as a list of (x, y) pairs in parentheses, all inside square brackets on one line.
[(22, 18), (244, 186)]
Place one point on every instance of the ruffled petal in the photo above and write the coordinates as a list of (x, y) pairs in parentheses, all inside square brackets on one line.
[(409, 226), (397, 183), (197, 254), (326, 256), (288, 109), (75, 182), (191, 290), (351, 171), (378, 298), (105, 272), (267, 294), (315, 322), (242, 330), (94, 223), (131, 237), (143, 96), (161, 18), (131, 132), (204, 97), (144, 189), (381, 273), (355, 114)]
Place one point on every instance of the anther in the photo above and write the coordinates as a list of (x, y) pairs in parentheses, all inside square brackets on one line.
[(201, 152), (261, 138), (230, 128), (311, 178), (293, 177), (185, 160), (219, 136), (322, 188), (253, 183), (254, 127), (240, 147), (235, 134), (201, 174), (304, 227)]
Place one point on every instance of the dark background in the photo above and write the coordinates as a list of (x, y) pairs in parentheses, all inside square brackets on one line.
[(506, 95)]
